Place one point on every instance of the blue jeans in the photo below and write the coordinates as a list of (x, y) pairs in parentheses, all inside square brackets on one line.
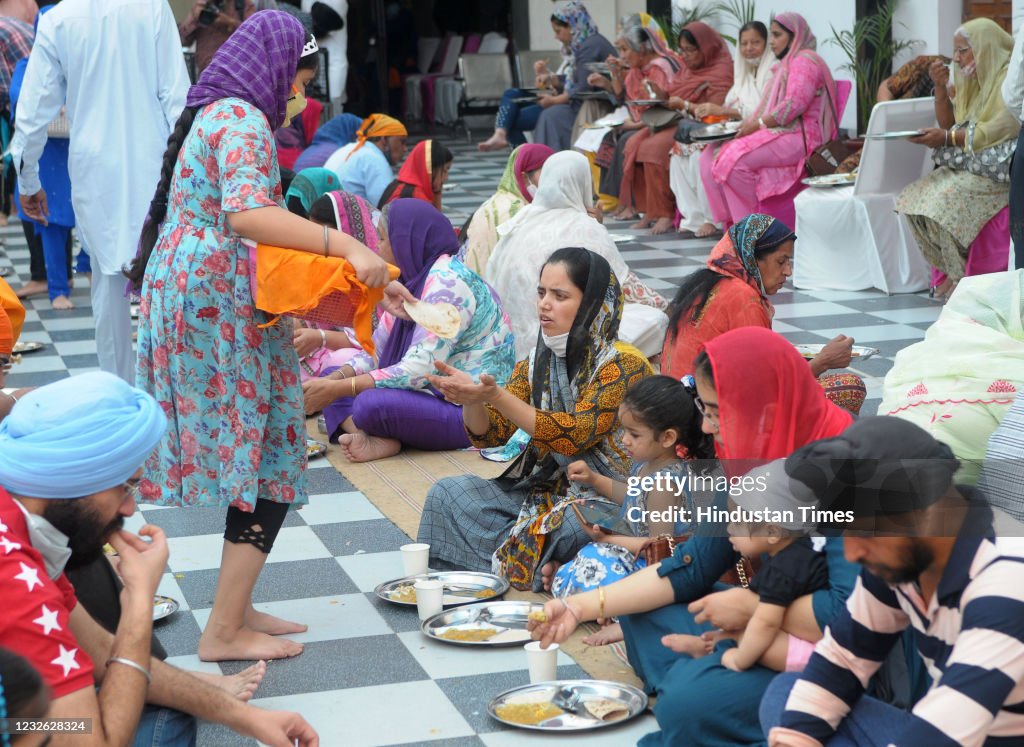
[(165, 727), (516, 118), (871, 723)]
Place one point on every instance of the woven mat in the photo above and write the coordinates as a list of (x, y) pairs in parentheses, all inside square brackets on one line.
[(397, 486)]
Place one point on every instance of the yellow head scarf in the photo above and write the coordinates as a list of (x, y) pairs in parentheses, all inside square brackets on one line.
[(979, 98), (377, 125)]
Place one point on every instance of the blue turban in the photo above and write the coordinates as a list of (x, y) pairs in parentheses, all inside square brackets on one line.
[(77, 437)]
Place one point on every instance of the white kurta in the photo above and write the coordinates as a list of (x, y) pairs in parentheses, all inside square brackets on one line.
[(336, 44), (118, 64)]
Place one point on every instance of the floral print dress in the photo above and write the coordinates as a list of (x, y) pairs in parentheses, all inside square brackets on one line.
[(230, 389), (603, 563)]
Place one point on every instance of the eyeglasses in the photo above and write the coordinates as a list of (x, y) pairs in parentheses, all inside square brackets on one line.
[(690, 385), (132, 490), (961, 51)]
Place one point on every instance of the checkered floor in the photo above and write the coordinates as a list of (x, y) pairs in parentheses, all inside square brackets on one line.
[(363, 656)]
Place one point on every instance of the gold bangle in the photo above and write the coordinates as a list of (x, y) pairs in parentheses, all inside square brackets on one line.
[(600, 602), (353, 382), (326, 242)]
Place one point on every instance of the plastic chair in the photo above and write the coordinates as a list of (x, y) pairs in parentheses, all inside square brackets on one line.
[(485, 77), (851, 238), (450, 50)]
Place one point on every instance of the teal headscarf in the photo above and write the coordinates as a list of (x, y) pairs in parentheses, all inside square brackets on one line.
[(308, 187)]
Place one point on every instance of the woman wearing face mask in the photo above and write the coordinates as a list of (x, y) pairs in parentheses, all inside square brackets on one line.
[(751, 73), (423, 175), (228, 383), (565, 395), (959, 202), (516, 189), (796, 114)]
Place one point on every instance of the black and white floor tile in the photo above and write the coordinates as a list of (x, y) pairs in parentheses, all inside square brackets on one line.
[(363, 657)]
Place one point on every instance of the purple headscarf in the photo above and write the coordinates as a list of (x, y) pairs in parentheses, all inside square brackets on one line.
[(419, 236), (256, 64)]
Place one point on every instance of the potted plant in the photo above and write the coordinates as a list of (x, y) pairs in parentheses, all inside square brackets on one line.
[(870, 48)]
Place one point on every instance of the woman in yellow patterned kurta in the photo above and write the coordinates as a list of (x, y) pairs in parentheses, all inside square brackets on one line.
[(566, 396)]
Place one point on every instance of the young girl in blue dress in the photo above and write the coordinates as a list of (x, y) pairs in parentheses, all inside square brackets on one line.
[(662, 434)]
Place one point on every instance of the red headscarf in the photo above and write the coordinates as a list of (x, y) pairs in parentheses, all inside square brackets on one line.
[(712, 80), (769, 402), (416, 172), (529, 157)]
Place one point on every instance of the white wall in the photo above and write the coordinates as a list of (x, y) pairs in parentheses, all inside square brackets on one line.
[(605, 13), (931, 22)]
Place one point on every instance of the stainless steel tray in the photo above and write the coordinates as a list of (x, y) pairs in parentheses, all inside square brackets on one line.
[(634, 701), (508, 619), (163, 607), (27, 346), (860, 352), (315, 449), (460, 587)]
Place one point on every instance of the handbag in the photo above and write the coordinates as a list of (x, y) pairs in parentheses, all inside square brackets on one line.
[(658, 117), (684, 130), (661, 547), (825, 159), (992, 162)]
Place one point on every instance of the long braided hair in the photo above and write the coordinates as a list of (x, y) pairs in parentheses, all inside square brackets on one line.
[(158, 205)]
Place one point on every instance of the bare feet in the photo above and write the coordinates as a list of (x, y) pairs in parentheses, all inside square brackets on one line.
[(625, 213), (641, 224), (691, 645), (245, 645), (362, 447), (242, 685), (496, 141), (261, 622), (607, 635), (662, 225), (31, 288), (62, 303), (708, 229), (547, 573)]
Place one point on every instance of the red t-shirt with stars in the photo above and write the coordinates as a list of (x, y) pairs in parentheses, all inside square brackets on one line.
[(34, 623)]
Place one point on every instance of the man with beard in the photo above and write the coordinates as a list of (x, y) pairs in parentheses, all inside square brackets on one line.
[(934, 557), (70, 457), (364, 167)]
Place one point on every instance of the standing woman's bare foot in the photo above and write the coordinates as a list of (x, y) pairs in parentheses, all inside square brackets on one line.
[(62, 303), (362, 447), (642, 224), (242, 685), (605, 636), (245, 644), (31, 288), (497, 141), (662, 225), (625, 213), (261, 622), (708, 229)]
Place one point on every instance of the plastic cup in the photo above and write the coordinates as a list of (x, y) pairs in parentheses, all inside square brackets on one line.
[(415, 558), (542, 662), (429, 597)]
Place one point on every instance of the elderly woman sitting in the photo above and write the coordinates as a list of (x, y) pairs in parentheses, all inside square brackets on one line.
[(949, 208), (376, 406)]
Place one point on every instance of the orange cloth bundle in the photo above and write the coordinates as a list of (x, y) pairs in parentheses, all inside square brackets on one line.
[(322, 290), (12, 316)]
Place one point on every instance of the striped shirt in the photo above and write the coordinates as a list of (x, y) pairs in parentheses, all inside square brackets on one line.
[(971, 638), (1003, 471)]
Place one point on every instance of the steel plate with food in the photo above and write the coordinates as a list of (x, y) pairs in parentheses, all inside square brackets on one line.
[(460, 587), (568, 705), (860, 352), (645, 102), (493, 624), (315, 449), (163, 607), (28, 346), (830, 180), (717, 131)]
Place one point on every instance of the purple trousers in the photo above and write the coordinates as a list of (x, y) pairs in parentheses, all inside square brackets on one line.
[(417, 419)]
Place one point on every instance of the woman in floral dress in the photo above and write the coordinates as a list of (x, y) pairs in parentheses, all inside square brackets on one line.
[(229, 387)]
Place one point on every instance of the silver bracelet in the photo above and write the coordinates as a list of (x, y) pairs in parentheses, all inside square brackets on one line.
[(133, 665), (326, 240), (323, 339), (12, 397)]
